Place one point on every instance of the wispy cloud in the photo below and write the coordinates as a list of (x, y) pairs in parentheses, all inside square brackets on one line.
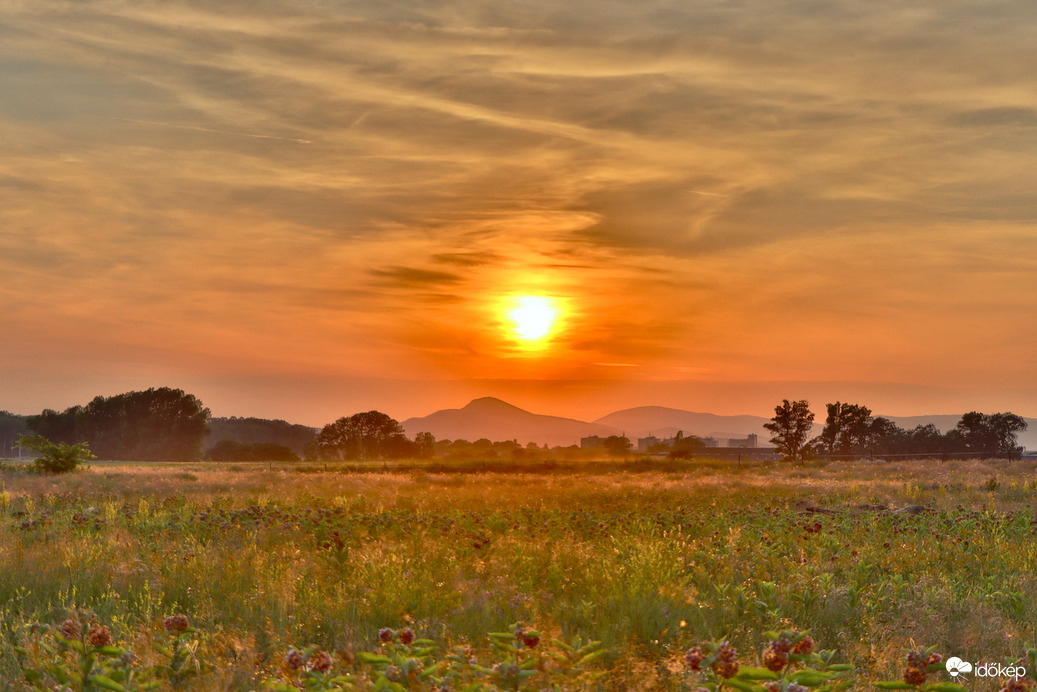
[(700, 181)]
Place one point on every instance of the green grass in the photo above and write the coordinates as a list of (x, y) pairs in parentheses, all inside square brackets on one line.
[(647, 557)]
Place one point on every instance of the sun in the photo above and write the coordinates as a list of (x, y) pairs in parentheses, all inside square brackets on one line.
[(533, 317)]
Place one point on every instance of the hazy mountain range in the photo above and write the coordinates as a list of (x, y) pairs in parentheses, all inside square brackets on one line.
[(494, 419)]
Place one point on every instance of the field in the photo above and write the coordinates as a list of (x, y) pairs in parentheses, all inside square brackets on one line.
[(649, 559)]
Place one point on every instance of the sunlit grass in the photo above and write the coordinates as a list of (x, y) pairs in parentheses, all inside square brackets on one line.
[(266, 557)]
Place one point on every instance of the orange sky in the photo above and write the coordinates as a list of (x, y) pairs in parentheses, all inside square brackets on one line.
[(303, 212)]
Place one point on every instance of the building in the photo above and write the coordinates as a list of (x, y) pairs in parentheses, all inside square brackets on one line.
[(747, 443), (592, 442), (644, 444)]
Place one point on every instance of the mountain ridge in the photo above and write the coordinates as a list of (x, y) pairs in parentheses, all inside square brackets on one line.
[(495, 419)]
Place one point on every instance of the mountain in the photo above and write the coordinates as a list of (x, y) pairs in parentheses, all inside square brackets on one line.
[(665, 422), (497, 420)]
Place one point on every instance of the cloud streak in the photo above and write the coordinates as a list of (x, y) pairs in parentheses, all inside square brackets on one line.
[(727, 187)]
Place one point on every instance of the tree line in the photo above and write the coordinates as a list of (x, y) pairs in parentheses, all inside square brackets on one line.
[(167, 424), (851, 430)]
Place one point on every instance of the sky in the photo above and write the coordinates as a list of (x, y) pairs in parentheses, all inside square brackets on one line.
[(303, 210)]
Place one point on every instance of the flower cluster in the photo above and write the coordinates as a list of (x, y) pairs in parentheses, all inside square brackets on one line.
[(919, 665)]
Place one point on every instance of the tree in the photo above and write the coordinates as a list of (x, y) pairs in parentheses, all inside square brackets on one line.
[(616, 445), (55, 457), (886, 437), (791, 427), (367, 435), (425, 444), (990, 434), (155, 425), (683, 447), (847, 429)]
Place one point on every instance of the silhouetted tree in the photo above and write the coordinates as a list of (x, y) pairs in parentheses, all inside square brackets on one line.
[(984, 434), (161, 424), (362, 436), (791, 427), (886, 437), (425, 444), (616, 445), (684, 446), (262, 430), (847, 429)]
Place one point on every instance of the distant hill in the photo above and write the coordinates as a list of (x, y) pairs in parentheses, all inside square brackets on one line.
[(260, 430), (497, 420), (664, 422)]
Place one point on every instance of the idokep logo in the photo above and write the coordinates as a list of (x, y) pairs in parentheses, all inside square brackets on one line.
[(956, 666)]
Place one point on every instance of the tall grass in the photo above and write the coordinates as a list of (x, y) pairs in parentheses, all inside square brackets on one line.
[(645, 562)]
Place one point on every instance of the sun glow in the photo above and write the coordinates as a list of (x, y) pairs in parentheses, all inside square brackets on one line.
[(533, 317)]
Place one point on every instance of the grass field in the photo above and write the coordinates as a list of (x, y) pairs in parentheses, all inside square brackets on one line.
[(648, 559)]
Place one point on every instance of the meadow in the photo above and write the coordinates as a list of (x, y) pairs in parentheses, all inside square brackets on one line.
[(647, 558)]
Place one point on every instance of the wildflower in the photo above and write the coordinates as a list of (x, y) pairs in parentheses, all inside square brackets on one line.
[(294, 659), (1018, 685), (70, 629), (725, 664), (804, 646), (99, 636), (915, 660), (385, 635), (321, 662), (530, 640), (176, 623), (406, 636), (934, 659), (914, 676), (693, 658), (393, 673), (776, 656), (127, 658)]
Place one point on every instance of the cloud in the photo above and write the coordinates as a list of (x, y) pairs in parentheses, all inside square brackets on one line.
[(270, 171)]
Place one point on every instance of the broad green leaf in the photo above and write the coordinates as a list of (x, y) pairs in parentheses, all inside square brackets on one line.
[(756, 673), (431, 670), (366, 657), (744, 685), (593, 656), (107, 683), (810, 678)]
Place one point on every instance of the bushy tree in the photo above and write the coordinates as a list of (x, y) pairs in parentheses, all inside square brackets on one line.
[(155, 425), (367, 435), (55, 457), (425, 444), (985, 434), (616, 445), (684, 446), (847, 429), (791, 426)]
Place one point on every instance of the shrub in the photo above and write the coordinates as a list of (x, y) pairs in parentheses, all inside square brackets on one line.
[(56, 457)]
